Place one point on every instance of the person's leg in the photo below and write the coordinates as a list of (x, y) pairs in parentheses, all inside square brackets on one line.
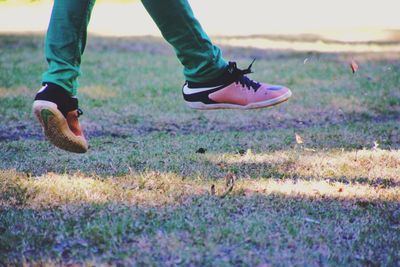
[(56, 105), (211, 83), (65, 42), (201, 59)]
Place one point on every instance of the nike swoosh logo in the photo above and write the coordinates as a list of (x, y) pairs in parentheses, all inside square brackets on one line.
[(42, 89), (191, 91)]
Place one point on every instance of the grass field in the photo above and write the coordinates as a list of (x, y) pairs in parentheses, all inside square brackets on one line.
[(165, 185)]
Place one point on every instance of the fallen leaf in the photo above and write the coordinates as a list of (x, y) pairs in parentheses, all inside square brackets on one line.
[(354, 66), (299, 139), (221, 165), (305, 60), (213, 190), (340, 190)]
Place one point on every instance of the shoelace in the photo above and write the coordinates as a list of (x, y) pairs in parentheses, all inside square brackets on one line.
[(239, 76), (80, 112)]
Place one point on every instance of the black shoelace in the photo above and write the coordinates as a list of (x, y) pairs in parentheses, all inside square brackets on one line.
[(239, 76)]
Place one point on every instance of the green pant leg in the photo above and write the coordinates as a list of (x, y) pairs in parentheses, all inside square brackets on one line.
[(201, 59), (65, 42)]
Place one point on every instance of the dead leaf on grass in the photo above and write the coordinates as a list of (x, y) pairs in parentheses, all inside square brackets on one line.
[(299, 139), (221, 165), (354, 66)]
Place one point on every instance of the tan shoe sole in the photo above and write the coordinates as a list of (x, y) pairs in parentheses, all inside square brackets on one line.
[(56, 128)]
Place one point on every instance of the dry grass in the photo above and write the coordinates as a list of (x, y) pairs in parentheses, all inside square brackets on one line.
[(370, 164), (55, 190), (366, 175)]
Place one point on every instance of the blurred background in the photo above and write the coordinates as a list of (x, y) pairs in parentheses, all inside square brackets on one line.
[(313, 24)]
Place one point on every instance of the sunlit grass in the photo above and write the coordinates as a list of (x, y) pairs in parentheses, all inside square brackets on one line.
[(54, 190), (362, 174), (152, 189), (315, 164)]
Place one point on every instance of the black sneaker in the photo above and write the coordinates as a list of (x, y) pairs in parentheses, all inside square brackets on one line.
[(58, 112)]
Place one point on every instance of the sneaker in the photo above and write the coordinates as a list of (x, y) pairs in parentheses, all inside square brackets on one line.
[(58, 114), (233, 90)]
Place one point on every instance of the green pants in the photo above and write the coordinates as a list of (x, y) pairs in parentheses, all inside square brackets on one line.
[(66, 40)]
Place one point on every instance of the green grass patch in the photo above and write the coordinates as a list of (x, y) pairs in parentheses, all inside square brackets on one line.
[(155, 187)]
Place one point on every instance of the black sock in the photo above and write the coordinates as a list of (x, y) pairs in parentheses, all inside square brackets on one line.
[(58, 95)]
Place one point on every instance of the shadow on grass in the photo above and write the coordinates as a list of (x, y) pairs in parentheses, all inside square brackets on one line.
[(29, 130), (247, 227)]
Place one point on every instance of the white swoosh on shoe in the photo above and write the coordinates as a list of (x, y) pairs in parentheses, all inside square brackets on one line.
[(42, 89), (190, 91)]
